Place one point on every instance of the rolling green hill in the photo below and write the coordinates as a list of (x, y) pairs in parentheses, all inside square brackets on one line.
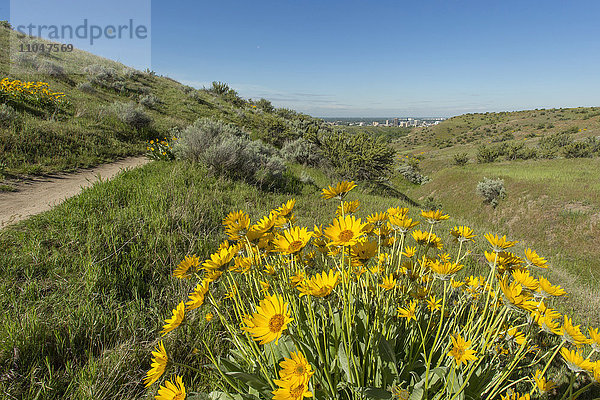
[(552, 187), (110, 111), (489, 127)]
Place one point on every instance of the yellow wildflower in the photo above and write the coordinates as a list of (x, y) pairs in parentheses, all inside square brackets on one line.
[(270, 319), (159, 363), (388, 282), (338, 191), (409, 312), (173, 322), (461, 351), (172, 391), (499, 243), (575, 361), (345, 231), (434, 216), (541, 383)]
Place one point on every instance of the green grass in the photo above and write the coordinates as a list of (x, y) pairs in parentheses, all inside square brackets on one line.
[(86, 285), (552, 206)]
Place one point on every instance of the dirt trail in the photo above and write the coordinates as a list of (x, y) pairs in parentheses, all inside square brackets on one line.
[(41, 194)]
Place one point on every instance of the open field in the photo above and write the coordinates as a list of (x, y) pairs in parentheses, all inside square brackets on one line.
[(552, 205)]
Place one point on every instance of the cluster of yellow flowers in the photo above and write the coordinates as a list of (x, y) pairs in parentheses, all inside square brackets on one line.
[(374, 305), (160, 149), (34, 92)]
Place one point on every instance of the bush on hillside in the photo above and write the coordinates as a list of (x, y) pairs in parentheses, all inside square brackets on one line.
[(356, 156), (132, 115), (150, 101), (101, 75), (413, 174), (229, 151), (131, 73), (486, 154), (51, 69), (86, 87), (187, 89), (306, 178), (492, 190), (586, 148), (302, 152), (594, 143), (26, 60), (550, 145), (265, 105), (226, 93), (461, 159), (286, 113), (219, 88), (8, 115)]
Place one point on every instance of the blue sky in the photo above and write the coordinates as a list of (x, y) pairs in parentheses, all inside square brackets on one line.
[(384, 58)]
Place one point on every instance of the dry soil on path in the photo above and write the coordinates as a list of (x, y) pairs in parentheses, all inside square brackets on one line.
[(41, 194)]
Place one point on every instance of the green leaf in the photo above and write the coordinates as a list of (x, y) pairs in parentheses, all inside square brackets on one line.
[(251, 380), (386, 351), (377, 393), (216, 396), (416, 394), (281, 349), (344, 362)]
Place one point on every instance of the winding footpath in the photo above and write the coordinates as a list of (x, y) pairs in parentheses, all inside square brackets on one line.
[(41, 194)]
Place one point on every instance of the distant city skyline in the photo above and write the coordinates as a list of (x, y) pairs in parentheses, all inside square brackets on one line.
[(359, 58)]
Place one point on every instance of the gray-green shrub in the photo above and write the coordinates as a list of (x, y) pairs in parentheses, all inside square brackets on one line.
[(150, 101), (130, 73), (51, 68), (306, 178), (101, 75), (492, 190), (229, 151), (26, 60), (413, 175), (132, 115), (302, 151), (86, 87), (8, 115)]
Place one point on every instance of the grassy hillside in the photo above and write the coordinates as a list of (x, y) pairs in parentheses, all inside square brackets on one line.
[(489, 127), (87, 284), (390, 133), (109, 111), (552, 203)]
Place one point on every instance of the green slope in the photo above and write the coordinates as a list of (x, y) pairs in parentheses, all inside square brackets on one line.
[(552, 204)]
